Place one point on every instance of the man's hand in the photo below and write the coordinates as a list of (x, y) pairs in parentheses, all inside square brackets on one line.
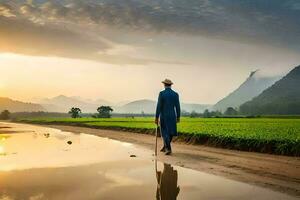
[(156, 121), (178, 120)]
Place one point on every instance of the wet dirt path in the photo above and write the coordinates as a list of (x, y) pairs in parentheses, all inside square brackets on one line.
[(38, 162), (279, 173)]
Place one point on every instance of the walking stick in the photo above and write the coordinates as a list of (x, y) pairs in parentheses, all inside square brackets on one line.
[(156, 136)]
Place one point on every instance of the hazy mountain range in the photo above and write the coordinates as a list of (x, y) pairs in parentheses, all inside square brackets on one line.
[(63, 104), (149, 106), (252, 87), (18, 106), (281, 98)]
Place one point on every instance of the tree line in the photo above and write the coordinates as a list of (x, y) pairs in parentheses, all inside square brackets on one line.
[(5, 115), (102, 112), (105, 112), (230, 112)]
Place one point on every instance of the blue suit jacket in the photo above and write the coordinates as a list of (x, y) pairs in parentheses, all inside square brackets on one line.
[(168, 110)]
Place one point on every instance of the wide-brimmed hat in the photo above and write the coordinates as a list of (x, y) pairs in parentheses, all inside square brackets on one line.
[(167, 82)]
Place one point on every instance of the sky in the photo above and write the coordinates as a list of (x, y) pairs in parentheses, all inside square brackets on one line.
[(121, 50)]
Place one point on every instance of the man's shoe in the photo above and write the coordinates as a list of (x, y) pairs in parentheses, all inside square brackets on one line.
[(163, 149), (168, 152)]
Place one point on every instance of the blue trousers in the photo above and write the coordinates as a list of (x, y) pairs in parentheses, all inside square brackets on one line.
[(167, 141), (167, 132)]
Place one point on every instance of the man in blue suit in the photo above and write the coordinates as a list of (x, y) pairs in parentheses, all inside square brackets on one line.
[(168, 115)]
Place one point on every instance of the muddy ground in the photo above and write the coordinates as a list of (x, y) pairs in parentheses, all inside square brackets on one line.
[(279, 173)]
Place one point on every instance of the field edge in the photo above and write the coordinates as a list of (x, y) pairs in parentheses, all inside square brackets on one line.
[(251, 145)]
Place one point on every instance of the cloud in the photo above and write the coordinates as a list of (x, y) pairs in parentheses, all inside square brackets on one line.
[(53, 29), (5, 11), (25, 37), (246, 21), (20, 36), (274, 23)]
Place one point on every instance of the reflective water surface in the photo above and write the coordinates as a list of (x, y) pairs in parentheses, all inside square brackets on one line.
[(43, 163)]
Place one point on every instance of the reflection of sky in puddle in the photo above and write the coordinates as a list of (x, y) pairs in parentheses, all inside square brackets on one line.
[(1, 149), (47, 147), (41, 166)]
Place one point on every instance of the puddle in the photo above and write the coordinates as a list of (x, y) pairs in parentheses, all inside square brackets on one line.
[(44, 163)]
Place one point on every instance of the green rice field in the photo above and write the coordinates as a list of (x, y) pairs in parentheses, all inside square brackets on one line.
[(266, 135)]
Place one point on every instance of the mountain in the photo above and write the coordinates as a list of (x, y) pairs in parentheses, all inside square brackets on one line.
[(63, 103), (139, 106), (121, 103), (281, 98), (18, 106), (149, 106), (252, 87), (91, 101), (199, 108)]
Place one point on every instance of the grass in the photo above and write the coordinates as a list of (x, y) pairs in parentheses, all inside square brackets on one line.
[(267, 135)]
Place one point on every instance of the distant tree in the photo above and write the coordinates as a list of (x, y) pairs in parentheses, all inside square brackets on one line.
[(94, 115), (215, 113), (185, 113), (230, 111), (194, 114), (206, 114), (104, 112), (75, 112), (5, 115)]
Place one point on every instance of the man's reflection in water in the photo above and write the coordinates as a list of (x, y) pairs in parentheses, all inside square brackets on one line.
[(167, 188)]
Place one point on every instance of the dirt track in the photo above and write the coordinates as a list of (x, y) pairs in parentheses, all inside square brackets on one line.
[(279, 173)]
